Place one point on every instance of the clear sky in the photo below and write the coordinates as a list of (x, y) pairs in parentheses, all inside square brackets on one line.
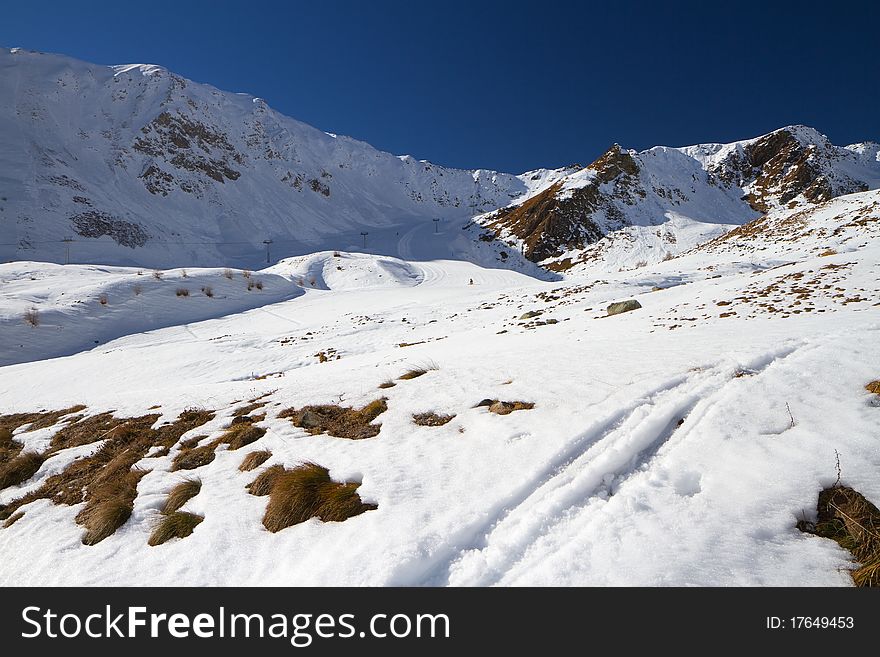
[(503, 85)]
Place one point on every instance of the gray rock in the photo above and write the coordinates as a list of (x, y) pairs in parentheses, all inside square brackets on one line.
[(623, 307), (309, 420)]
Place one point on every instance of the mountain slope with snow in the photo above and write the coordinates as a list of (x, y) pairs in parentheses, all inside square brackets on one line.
[(143, 167), (632, 208)]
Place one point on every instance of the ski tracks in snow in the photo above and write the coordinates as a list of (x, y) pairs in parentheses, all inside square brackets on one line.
[(594, 463)]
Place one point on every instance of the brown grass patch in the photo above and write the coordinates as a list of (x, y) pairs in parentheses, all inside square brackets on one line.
[(182, 292), (14, 518), (308, 492), (241, 434), (847, 517), (414, 373), (254, 460), (181, 494), (247, 410), (107, 480), (387, 384), (874, 387), (19, 469), (195, 457), (262, 485), (32, 316), (342, 422), (179, 524), (431, 419), (505, 407)]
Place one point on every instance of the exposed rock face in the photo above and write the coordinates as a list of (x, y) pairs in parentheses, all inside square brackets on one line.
[(712, 183), (97, 224), (779, 167)]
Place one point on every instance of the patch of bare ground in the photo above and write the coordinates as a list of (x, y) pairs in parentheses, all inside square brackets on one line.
[(431, 419), (338, 421), (306, 492)]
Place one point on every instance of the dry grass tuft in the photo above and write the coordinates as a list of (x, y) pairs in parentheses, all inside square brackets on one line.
[(182, 292), (179, 524), (181, 494), (413, 374), (262, 485), (32, 316), (14, 518), (874, 387), (431, 419), (308, 492), (241, 434), (195, 457), (247, 410), (227, 273), (103, 300), (847, 517), (342, 422), (255, 460), (387, 384), (208, 291), (20, 468)]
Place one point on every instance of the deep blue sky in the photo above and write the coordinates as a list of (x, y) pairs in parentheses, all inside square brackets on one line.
[(504, 85)]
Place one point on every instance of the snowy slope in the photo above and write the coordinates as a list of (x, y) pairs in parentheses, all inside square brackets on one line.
[(143, 167), (660, 449)]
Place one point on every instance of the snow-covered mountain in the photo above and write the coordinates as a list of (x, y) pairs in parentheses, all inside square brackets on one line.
[(141, 166), (631, 208)]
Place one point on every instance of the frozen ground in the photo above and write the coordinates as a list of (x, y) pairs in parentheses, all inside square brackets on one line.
[(660, 450)]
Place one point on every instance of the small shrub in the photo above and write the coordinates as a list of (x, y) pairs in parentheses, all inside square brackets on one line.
[(245, 273), (258, 285), (254, 460), (181, 494), (251, 285), (227, 273), (431, 419), (179, 524), (102, 299), (183, 273), (182, 292), (313, 281), (308, 492), (337, 254), (207, 291), (157, 275), (32, 316)]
